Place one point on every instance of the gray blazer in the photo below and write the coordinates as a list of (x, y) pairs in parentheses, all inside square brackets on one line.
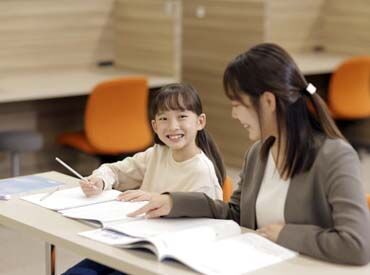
[(325, 210)]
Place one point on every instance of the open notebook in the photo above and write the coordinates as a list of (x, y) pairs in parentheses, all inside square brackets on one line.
[(208, 246), (70, 198), (102, 209)]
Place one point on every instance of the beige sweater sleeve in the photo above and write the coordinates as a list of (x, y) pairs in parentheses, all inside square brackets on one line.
[(126, 174)]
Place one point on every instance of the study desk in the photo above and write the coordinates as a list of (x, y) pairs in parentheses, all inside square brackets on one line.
[(34, 85), (317, 63), (46, 225)]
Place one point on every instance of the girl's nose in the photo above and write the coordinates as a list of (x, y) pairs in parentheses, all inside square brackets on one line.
[(173, 124)]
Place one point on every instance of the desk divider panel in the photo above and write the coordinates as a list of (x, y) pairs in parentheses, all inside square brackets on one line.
[(42, 34), (148, 36), (346, 26)]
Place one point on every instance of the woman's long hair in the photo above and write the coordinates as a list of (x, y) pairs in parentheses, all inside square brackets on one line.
[(268, 67), (184, 97)]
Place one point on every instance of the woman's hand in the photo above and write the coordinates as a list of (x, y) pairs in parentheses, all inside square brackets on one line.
[(134, 195), (159, 205), (92, 186), (271, 231)]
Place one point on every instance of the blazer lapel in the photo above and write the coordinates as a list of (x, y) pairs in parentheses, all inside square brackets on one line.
[(252, 193)]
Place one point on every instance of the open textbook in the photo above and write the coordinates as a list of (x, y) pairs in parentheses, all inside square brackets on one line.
[(208, 246), (102, 209)]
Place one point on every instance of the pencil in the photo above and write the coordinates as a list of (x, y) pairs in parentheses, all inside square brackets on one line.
[(69, 168)]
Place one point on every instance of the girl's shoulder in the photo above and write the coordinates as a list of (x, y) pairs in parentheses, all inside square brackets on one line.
[(159, 151)]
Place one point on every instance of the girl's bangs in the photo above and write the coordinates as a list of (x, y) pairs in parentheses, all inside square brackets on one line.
[(175, 101)]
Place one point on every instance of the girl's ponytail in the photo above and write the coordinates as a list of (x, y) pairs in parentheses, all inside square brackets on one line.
[(208, 146)]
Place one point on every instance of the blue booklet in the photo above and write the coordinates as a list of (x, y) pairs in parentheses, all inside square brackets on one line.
[(25, 184)]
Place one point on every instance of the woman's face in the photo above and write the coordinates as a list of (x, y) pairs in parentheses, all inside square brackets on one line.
[(247, 116)]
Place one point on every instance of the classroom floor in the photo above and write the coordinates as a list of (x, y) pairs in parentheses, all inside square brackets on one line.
[(21, 255)]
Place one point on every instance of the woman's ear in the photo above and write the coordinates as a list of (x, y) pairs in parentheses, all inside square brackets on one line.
[(154, 126), (201, 121), (268, 101)]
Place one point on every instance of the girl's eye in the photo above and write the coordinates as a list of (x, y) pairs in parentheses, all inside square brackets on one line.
[(162, 118), (183, 116)]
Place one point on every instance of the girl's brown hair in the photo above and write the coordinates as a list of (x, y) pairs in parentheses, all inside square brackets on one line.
[(183, 97), (268, 67)]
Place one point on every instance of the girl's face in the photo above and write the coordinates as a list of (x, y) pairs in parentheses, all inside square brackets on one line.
[(247, 116), (178, 130)]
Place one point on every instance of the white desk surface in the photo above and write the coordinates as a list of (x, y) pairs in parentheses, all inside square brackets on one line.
[(36, 85), (318, 63), (52, 227)]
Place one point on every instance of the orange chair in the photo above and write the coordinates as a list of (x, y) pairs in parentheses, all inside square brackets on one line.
[(368, 200), (349, 100), (116, 120), (227, 189), (349, 89)]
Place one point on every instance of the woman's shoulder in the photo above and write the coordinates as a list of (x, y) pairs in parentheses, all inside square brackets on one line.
[(332, 148), (336, 155)]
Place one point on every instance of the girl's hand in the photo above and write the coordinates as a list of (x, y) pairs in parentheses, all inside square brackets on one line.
[(134, 195), (91, 186), (271, 231), (159, 205)]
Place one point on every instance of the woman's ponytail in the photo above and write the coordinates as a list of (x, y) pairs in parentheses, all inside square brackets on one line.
[(324, 118)]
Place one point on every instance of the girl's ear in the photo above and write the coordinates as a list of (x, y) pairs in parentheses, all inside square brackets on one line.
[(201, 121), (268, 101), (154, 125)]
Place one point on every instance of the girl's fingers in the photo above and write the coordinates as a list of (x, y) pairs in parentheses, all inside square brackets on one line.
[(143, 210), (127, 196), (132, 195), (155, 213), (142, 197)]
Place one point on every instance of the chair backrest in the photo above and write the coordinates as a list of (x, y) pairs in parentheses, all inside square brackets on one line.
[(116, 116), (349, 89), (227, 189), (368, 200)]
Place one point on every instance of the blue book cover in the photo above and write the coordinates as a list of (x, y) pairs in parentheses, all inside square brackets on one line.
[(25, 184)]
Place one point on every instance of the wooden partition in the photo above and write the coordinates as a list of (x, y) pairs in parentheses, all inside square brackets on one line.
[(41, 34), (346, 27), (148, 36), (294, 24)]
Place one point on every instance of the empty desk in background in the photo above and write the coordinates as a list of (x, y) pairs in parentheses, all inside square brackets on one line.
[(45, 224), (24, 86), (318, 63)]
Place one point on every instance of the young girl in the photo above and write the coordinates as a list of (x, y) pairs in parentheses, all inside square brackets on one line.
[(300, 185), (184, 158)]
